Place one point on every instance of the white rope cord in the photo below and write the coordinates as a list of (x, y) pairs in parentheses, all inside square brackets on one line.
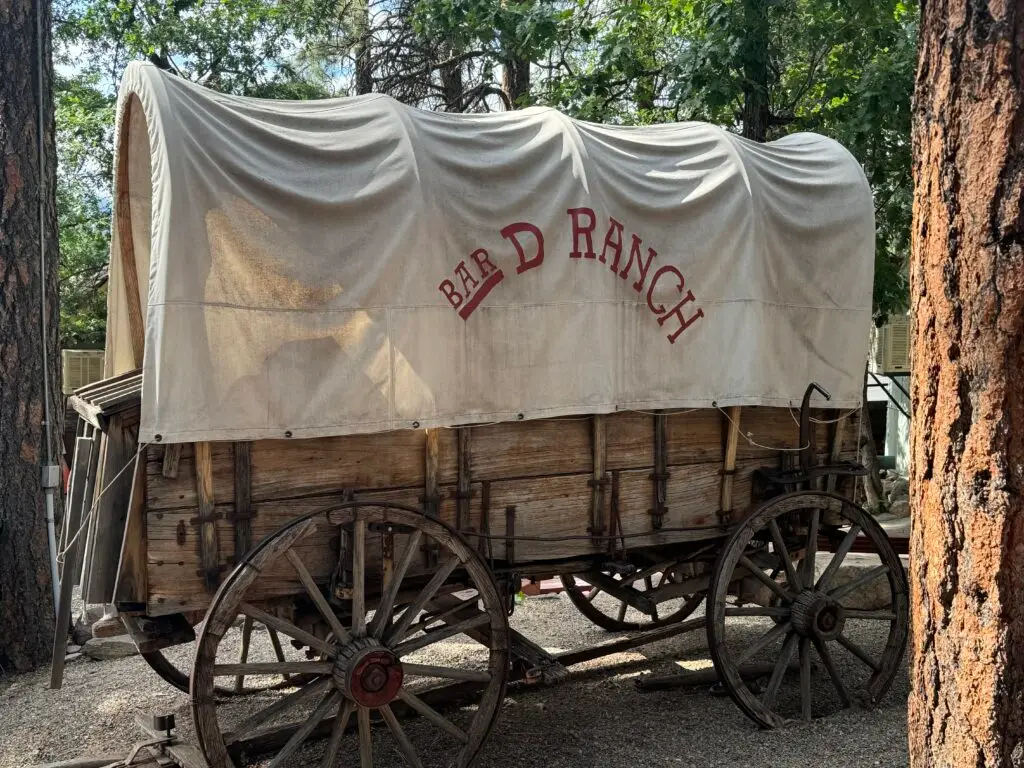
[(95, 503), (822, 421), (748, 435)]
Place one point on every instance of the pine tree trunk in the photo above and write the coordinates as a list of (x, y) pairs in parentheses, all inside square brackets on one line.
[(967, 454), (26, 603)]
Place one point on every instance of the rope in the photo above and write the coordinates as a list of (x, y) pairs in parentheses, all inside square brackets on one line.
[(822, 421), (747, 435), (96, 500)]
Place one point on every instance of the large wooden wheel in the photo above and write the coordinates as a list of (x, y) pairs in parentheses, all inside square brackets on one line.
[(616, 615), (371, 638), (780, 610)]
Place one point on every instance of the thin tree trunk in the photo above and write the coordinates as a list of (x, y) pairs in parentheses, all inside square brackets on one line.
[(26, 603), (754, 55), (967, 453), (452, 85), (364, 54), (515, 81)]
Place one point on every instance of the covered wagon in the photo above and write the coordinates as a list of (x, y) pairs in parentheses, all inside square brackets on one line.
[(371, 367)]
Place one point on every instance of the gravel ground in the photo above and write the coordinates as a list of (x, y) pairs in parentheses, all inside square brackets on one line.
[(598, 719)]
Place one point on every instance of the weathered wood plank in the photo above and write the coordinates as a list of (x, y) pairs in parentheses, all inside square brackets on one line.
[(599, 453), (110, 514), (172, 455), (292, 468), (465, 478), (531, 448), (209, 538), (732, 431), (130, 587), (244, 509)]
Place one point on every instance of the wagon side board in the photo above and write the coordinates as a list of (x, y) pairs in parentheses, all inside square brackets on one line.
[(539, 476)]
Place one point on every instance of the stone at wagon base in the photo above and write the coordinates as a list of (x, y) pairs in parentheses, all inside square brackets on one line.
[(900, 490), (873, 596), (106, 648), (900, 508)]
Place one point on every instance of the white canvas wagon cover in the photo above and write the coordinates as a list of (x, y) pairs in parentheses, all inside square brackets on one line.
[(353, 265)]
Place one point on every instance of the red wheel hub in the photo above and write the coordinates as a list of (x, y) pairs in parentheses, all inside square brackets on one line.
[(370, 675)]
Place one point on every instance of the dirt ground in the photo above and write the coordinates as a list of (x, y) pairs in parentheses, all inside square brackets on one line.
[(597, 719)]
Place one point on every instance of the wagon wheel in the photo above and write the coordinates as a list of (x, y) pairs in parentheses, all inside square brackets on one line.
[(615, 615), (376, 667), (254, 641), (808, 610)]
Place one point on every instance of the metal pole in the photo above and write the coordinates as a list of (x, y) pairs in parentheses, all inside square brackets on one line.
[(48, 475)]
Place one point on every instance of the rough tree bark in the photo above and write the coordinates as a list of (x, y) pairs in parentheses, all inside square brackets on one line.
[(515, 80), (967, 455), (364, 53), (754, 56), (26, 604)]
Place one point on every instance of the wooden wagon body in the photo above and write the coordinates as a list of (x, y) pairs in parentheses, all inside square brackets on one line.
[(573, 489)]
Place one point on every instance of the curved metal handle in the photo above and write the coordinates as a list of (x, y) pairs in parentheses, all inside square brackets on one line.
[(808, 449)]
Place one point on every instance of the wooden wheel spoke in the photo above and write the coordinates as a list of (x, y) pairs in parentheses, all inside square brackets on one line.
[(286, 627), (387, 601), (425, 594), (431, 714), (449, 673), (779, 670), (761, 576), (243, 651), (811, 554), (267, 714), (340, 633), (330, 757), (654, 611), (762, 642), (805, 679), (783, 552), (404, 745), (622, 611), (830, 667), (359, 578), (757, 610), (594, 592), (443, 616), (859, 652), (274, 668), (275, 641), (305, 729), (434, 636), (837, 559), (853, 613), (365, 738), (862, 580)]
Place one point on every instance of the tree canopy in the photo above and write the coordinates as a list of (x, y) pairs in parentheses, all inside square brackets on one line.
[(763, 68)]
